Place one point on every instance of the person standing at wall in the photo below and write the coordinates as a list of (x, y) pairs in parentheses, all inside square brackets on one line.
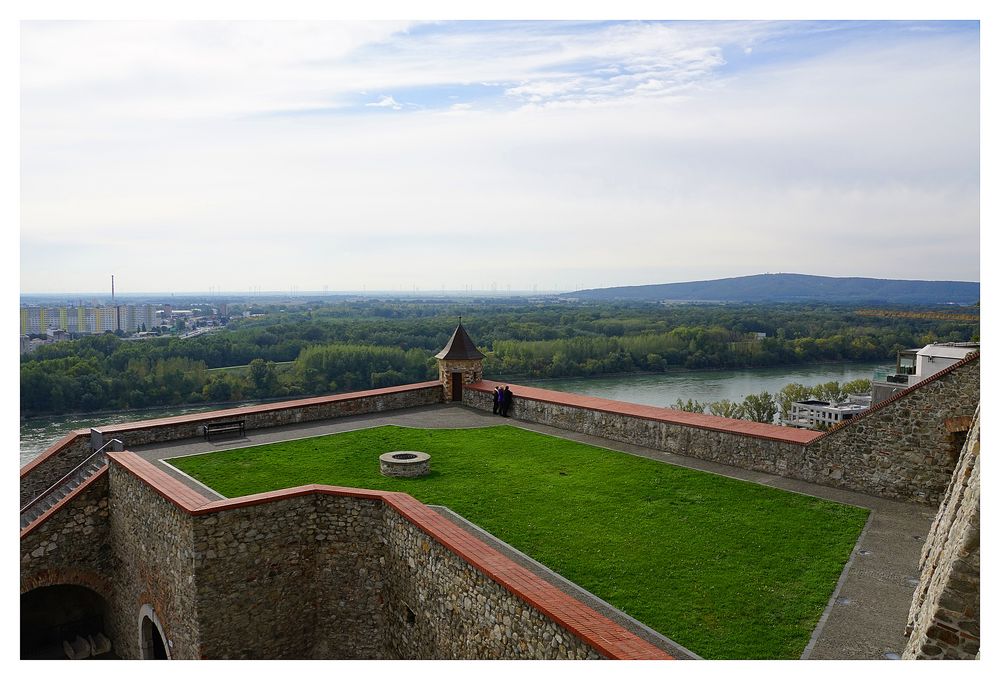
[(496, 400), (499, 399), (508, 397)]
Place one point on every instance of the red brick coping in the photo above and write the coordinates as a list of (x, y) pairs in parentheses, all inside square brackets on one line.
[(53, 450), (702, 421), (38, 521), (266, 408), (604, 635)]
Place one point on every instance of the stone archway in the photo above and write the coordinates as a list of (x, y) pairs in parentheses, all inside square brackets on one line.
[(152, 641), (53, 614)]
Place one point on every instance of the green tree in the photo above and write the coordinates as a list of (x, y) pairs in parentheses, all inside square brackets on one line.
[(790, 393), (829, 391), (726, 409), (859, 386), (760, 408), (264, 376), (691, 406)]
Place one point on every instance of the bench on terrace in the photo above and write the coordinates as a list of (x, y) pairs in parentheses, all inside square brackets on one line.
[(229, 427)]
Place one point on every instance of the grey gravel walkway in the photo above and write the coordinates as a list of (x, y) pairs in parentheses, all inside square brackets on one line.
[(866, 614)]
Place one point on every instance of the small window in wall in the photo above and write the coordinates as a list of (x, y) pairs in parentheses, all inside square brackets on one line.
[(410, 617)]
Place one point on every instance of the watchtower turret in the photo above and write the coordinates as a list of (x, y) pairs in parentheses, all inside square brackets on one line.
[(459, 363)]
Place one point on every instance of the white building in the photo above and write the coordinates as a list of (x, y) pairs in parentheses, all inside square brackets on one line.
[(914, 365), (813, 413)]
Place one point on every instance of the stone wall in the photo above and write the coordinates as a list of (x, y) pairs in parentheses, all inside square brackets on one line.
[(312, 572), (440, 607), (944, 616), (351, 567), (71, 545), (902, 449), (255, 573), (153, 544), (729, 448), (67, 453), (53, 464), (337, 576), (471, 370)]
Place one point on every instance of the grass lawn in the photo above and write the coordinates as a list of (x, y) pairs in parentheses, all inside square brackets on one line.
[(729, 569)]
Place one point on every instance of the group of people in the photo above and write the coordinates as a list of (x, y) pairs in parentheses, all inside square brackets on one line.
[(502, 398)]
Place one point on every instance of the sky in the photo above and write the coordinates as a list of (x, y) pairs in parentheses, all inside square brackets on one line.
[(494, 155)]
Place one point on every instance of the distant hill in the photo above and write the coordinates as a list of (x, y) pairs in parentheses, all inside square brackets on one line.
[(794, 288)]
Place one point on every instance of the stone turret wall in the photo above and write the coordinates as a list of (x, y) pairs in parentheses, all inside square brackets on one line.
[(944, 616), (471, 370)]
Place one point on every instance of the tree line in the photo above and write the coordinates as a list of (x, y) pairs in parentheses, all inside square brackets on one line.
[(350, 345)]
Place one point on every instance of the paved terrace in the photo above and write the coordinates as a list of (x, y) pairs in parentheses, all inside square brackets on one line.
[(866, 614)]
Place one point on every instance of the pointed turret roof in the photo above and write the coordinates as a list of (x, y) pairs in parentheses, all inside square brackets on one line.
[(460, 346)]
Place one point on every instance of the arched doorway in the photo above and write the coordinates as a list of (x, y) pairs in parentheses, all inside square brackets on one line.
[(53, 614), (152, 641)]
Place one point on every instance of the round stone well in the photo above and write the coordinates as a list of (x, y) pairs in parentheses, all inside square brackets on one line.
[(405, 464)]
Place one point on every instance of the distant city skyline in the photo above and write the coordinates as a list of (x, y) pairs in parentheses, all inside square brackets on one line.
[(365, 156)]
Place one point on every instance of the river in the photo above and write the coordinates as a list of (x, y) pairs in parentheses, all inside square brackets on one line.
[(654, 389), (664, 389)]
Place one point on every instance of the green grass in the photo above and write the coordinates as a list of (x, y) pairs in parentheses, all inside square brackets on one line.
[(729, 569)]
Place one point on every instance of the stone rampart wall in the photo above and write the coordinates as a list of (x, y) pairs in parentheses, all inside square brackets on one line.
[(901, 449), (67, 453), (322, 572), (335, 576), (944, 617), (255, 573), (72, 539), (351, 567), (153, 546), (54, 463), (438, 606)]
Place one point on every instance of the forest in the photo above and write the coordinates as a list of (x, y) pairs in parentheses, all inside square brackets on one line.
[(321, 347)]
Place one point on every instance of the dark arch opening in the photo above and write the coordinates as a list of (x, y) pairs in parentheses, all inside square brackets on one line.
[(153, 646), (51, 615)]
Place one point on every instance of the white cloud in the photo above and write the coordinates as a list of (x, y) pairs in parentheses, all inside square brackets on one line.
[(386, 102), (858, 160)]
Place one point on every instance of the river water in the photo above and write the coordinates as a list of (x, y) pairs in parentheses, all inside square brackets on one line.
[(664, 389), (655, 389)]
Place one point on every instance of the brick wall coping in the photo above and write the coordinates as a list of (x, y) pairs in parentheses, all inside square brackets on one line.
[(604, 635), (658, 413), (266, 408), (52, 450), (902, 393)]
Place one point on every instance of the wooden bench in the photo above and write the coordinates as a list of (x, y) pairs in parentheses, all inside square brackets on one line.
[(233, 426)]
